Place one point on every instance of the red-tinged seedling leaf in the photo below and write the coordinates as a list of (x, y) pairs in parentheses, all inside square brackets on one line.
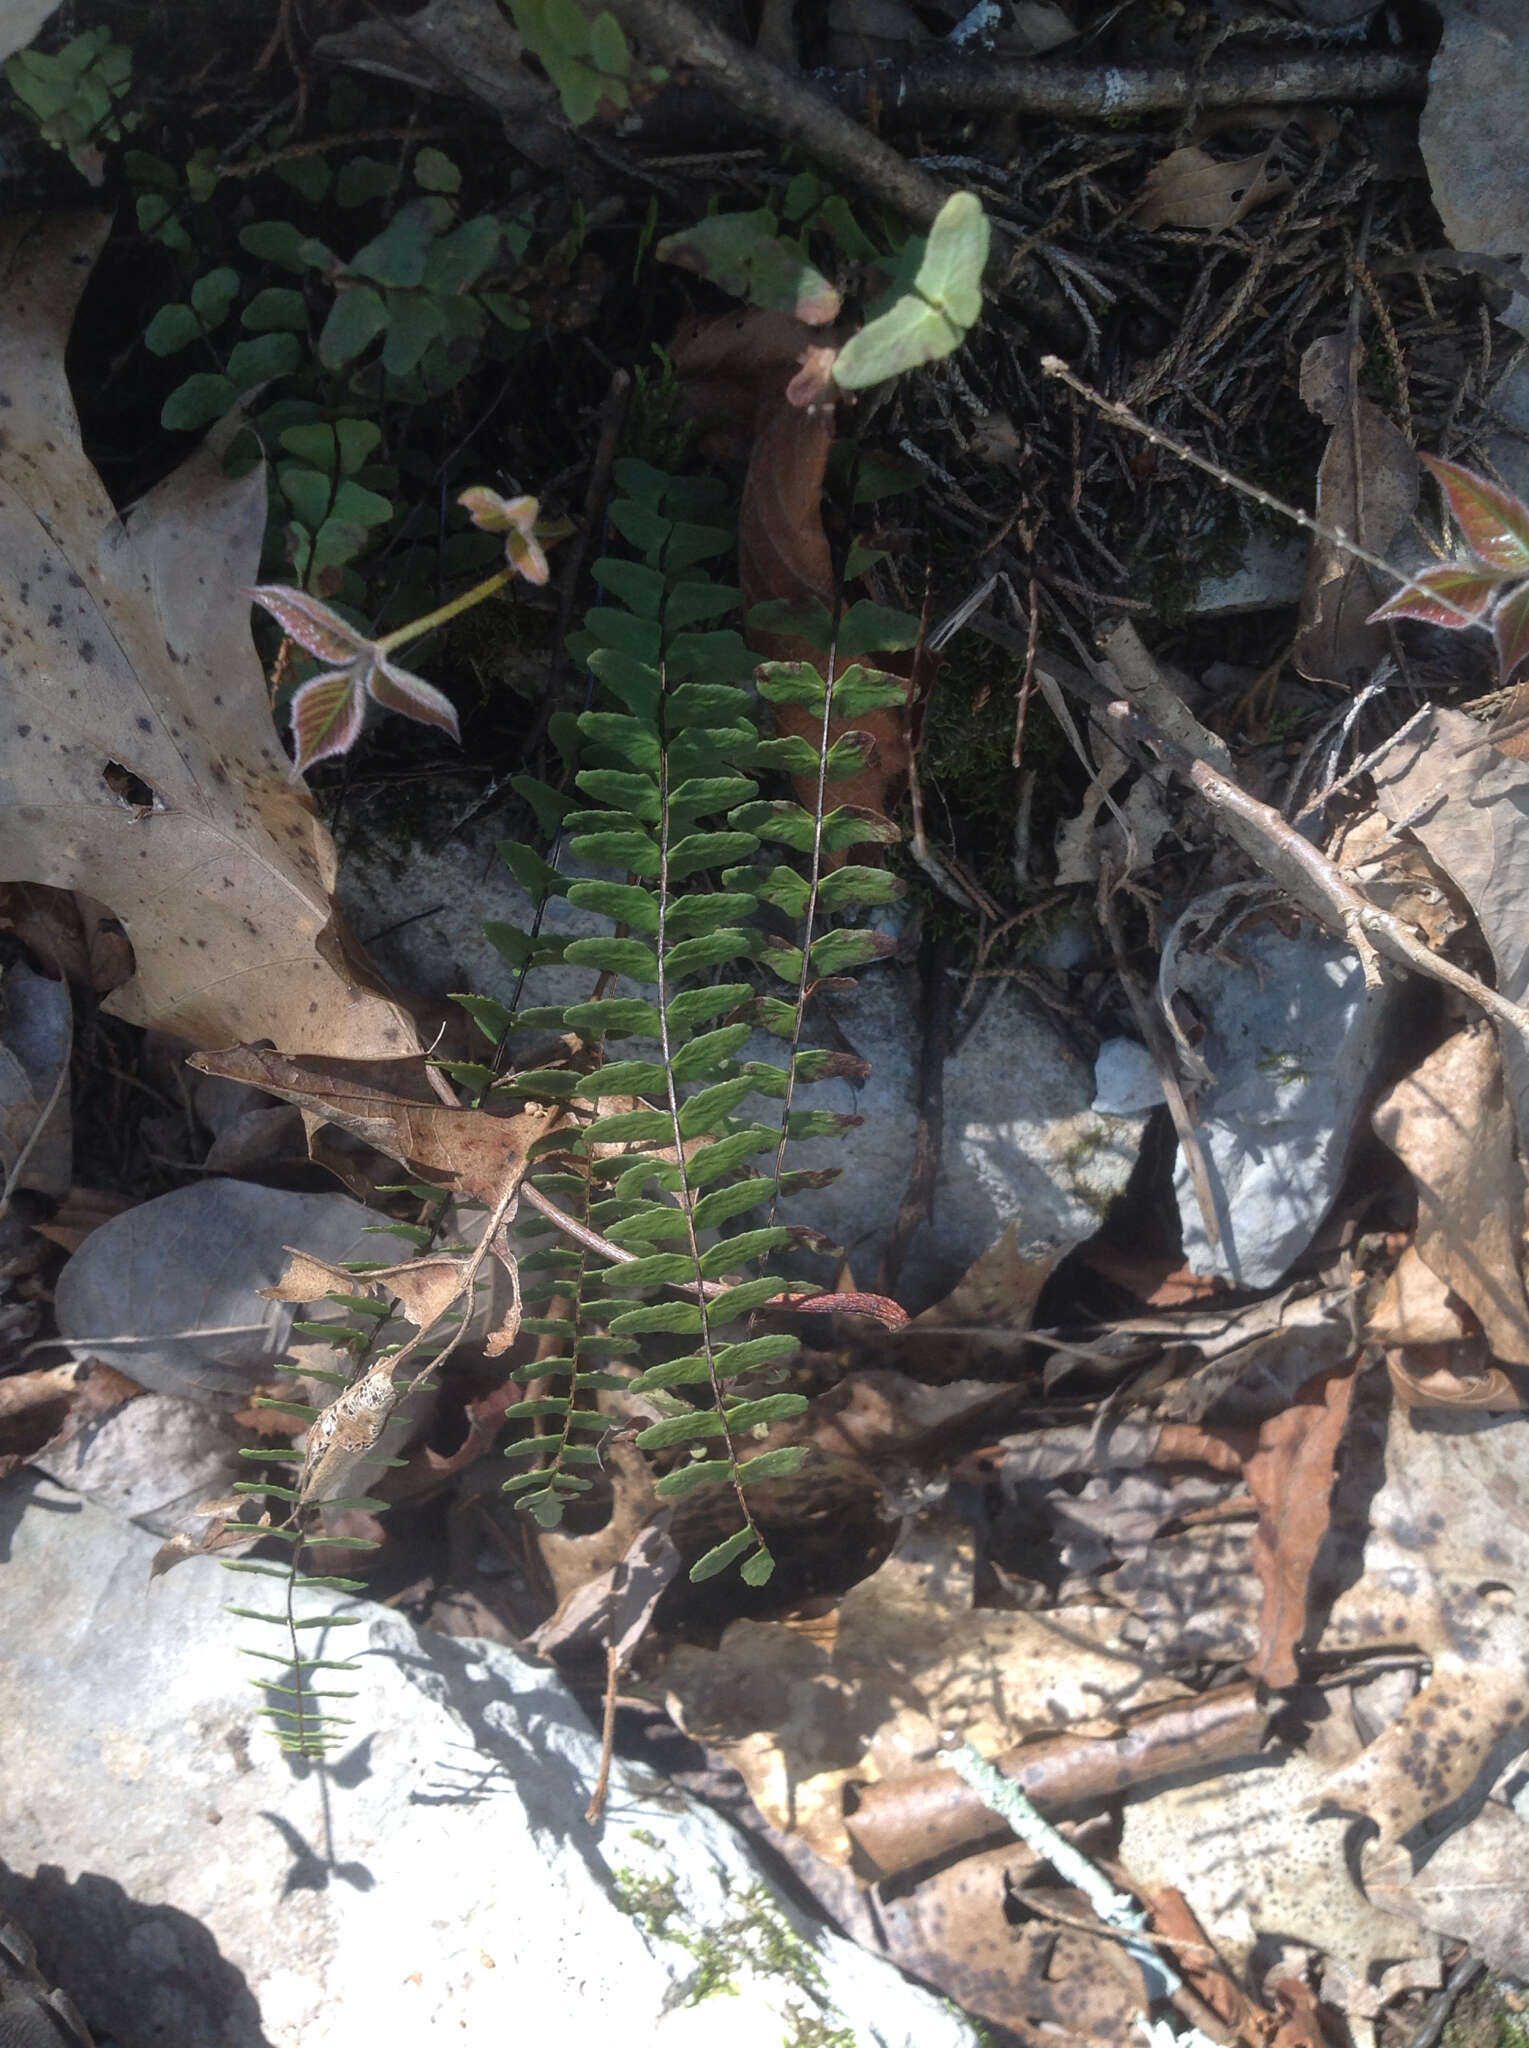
[(310, 623), (396, 690), (1453, 595), (326, 718), (1494, 523), (1510, 628)]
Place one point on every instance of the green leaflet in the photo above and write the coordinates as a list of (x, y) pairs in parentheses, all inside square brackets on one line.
[(933, 318)]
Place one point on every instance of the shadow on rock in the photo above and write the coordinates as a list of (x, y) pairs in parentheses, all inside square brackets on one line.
[(143, 1976)]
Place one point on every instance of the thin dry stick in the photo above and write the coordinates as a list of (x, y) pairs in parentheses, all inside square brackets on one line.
[(1315, 882), (13, 1178), (783, 104), (1107, 91), (1123, 416)]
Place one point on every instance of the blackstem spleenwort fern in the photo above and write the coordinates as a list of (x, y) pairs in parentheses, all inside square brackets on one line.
[(668, 1163)]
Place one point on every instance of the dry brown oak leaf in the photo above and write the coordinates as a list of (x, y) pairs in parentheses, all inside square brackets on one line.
[(1446, 1571), (125, 644)]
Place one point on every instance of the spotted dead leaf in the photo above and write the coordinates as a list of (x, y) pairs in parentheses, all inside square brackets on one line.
[(142, 764), (1446, 1571)]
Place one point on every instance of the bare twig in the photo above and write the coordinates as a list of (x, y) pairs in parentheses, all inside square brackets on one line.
[(924, 92), (1312, 880), (45, 1115), (776, 101)]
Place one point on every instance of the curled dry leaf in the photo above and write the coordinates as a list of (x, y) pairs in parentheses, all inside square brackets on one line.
[(1453, 1376), (130, 653), (1446, 1571), (423, 1288), (1291, 1477), (1415, 1306), (1367, 486), (1451, 1125), (757, 375)]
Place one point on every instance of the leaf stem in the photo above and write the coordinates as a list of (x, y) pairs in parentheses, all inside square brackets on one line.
[(402, 635)]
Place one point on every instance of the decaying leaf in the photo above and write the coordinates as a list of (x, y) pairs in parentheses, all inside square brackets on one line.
[(1470, 1888), (804, 1711), (1190, 189), (918, 1816), (1451, 1125), (1446, 1571), (1367, 486), (1468, 809), (423, 1288), (958, 1932), (1291, 1477), (1415, 1306), (128, 654), (1250, 1855)]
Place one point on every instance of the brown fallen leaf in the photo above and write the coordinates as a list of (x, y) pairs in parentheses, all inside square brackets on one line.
[(1451, 1125), (1415, 1306), (1291, 1477), (919, 1816), (1445, 1571), (957, 1931), (1367, 486), (391, 1105), (1190, 189), (1195, 1957), (1471, 1887), (1466, 805), (128, 650), (74, 937)]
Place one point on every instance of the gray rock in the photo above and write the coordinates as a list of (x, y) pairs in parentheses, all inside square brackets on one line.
[(1022, 1143), (1477, 87), (185, 1883), (1293, 1039)]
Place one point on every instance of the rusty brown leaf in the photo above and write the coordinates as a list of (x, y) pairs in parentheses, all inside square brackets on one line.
[(743, 371), (1291, 1477)]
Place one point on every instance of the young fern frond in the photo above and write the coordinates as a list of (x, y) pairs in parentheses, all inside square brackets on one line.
[(671, 758)]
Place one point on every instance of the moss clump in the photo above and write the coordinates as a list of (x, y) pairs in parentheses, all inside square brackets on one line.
[(754, 1939)]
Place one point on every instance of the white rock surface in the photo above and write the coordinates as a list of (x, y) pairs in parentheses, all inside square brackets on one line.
[(1293, 1038), (187, 1885)]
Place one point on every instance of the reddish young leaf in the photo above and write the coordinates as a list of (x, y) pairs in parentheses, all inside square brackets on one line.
[(1494, 523), (1510, 626), (1455, 594), (326, 717), (396, 690), (319, 631)]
